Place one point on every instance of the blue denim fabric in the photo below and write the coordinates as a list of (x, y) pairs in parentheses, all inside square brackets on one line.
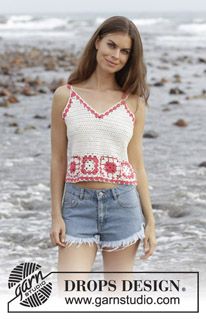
[(112, 218)]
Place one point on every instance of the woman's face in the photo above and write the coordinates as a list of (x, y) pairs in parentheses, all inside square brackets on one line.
[(113, 51)]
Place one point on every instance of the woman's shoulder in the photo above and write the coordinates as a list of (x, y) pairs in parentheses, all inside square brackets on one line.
[(135, 102), (61, 96), (62, 92)]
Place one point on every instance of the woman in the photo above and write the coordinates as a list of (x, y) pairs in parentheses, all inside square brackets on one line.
[(99, 117)]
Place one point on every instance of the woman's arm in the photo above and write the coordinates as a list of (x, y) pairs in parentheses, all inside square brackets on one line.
[(58, 163), (135, 155)]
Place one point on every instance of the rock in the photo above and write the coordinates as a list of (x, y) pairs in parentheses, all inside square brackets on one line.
[(8, 115), (176, 91), (164, 60), (202, 164), (34, 55), (171, 210), (43, 91), (201, 60), (6, 70), (27, 90), (37, 116), (35, 82), (17, 60), (196, 75), (56, 83), (5, 92), (13, 99), (202, 96), (73, 61), (50, 64), (150, 134), (4, 102), (161, 82), (158, 84), (177, 78), (163, 67), (13, 124), (181, 123), (177, 212), (174, 102), (184, 58), (30, 127), (157, 206), (18, 130)]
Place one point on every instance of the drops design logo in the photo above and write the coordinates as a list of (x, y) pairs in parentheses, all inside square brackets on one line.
[(30, 285)]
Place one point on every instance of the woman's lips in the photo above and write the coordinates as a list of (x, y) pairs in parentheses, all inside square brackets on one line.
[(111, 63)]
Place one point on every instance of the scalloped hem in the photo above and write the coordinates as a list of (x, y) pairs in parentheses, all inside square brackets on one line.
[(115, 245)]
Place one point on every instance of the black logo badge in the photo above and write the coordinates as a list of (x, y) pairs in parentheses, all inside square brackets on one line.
[(30, 285)]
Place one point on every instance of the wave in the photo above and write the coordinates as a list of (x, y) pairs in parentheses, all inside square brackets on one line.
[(142, 22), (23, 18), (29, 23), (150, 21), (196, 28), (180, 41)]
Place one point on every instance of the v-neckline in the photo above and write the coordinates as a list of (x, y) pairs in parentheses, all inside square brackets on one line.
[(89, 107)]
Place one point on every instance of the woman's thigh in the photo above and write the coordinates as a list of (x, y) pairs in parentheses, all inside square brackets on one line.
[(121, 261), (75, 259)]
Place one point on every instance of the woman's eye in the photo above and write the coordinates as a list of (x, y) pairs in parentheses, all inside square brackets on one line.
[(112, 45)]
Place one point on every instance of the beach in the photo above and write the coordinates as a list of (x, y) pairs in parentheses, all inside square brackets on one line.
[(37, 54)]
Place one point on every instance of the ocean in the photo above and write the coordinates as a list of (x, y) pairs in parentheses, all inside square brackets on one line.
[(174, 47)]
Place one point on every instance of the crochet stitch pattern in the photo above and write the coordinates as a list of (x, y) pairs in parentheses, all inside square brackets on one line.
[(97, 142)]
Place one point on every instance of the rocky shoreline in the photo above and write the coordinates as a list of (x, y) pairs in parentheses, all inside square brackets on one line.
[(13, 81), (31, 68)]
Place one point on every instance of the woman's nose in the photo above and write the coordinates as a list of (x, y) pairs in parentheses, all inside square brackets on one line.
[(116, 54)]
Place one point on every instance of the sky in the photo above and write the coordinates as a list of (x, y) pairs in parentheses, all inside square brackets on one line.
[(66, 6)]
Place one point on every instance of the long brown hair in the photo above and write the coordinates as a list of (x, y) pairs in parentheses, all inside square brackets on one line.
[(132, 77)]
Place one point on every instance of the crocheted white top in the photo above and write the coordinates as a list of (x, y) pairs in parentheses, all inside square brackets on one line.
[(97, 142)]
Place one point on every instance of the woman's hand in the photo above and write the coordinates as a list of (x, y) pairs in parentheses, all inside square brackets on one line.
[(150, 242), (57, 233)]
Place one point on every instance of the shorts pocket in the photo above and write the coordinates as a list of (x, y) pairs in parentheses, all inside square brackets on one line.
[(70, 200), (128, 199)]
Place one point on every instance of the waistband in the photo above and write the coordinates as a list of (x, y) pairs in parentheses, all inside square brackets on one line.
[(83, 192)]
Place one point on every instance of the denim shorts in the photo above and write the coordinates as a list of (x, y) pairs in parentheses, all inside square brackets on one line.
[(112, 218)]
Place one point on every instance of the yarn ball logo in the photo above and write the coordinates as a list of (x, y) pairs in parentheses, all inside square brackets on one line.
[(30, 285)]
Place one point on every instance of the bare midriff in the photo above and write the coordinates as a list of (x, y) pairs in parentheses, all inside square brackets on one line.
[(96, 185)]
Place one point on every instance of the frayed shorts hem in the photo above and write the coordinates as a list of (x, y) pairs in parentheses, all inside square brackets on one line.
[(114, 245)]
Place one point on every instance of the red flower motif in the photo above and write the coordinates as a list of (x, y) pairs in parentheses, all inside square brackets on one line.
[(89, 164), (110, 167), (100, 168)]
